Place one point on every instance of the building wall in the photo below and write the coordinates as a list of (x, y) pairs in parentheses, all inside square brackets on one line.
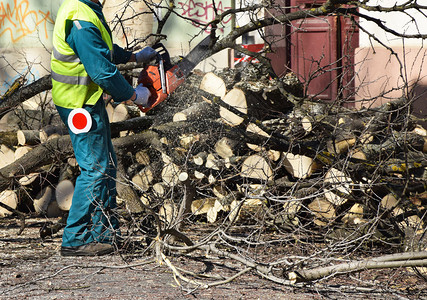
[(25, 39), (136, 29), (382, 74), (26, 29), (184, 35)]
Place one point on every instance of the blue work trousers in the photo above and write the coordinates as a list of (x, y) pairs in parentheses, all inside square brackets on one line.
[(90, 218)]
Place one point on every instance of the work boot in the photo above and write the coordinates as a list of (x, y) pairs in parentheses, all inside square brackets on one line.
[(91, 249)]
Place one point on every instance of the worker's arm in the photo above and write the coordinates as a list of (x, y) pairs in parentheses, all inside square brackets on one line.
[(122, 56), (86, 42)]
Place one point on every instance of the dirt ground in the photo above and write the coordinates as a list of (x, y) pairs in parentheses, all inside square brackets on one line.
[(32, 268)]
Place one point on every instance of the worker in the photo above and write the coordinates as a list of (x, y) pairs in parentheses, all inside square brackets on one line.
[(83, 66)]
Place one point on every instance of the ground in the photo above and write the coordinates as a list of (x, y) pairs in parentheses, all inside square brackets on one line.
[(32, 268)]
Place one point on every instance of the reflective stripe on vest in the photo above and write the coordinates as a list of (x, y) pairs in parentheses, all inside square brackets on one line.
[(77, 80), (64, 57), (71, 85)]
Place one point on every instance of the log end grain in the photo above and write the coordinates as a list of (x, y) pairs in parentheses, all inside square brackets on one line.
[(64, 194), (10, 198)]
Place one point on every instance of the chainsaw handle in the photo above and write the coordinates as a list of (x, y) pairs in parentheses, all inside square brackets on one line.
[(155, 98), (163, 54)]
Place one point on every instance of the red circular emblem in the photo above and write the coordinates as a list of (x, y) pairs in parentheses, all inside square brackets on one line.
[(79, 121)]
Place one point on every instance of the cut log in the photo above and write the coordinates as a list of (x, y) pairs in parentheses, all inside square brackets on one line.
[(159, 189), (52, 131), (226, 147), (357, 154), (273, 155), (143, 179), (248, 211), (145, 200), (124, 112), (322, 210), (200, 158), (391, 202), (187, 140), (255, 129), (211, 162), (420, 130), (252, 189), (256, 167), (64, 194), (21, 151), (53, 210), (263, 99), (136, 125), (6, 119), (299, 166), (72, 162), (395, 142), (202, 206), (197, 112), (342, 145), (28, 179), (220, 191), (7, 156), (110, 111), (340, 186), (121, 113), (43, 199), (170, 174), (8, 138), (307, 124), (10, 198), (183, 177), (213, 84), (354, 216), (199, 175), (212, 214), (237, 99), (291, 209), (125, 192), (168, 212), (142, 157)]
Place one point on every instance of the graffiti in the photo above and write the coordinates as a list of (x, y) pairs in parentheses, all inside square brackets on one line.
[(201, 13), (18, 20)]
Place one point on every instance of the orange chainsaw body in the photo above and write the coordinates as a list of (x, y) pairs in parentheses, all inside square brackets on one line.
[(150, 77), (164, 78)]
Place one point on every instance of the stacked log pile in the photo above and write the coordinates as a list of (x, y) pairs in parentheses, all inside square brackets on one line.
[(37, 160), (236, 146)]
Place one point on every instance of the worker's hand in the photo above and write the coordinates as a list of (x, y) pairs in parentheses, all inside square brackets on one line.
[(142, 95), (145, 55)]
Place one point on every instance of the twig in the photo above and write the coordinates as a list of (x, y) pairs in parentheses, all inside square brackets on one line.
[(18, 213), (78, 266)]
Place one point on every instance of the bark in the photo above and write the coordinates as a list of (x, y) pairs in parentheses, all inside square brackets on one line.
[(398, 260), (40, 85), (9, 138)]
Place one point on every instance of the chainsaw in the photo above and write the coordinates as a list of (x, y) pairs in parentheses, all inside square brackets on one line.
[(163, 78)]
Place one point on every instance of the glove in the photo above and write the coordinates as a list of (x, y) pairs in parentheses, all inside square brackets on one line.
[(142, 95), (145, 55)]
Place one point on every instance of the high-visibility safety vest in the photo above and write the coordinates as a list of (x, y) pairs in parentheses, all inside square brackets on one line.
[(71, 85)]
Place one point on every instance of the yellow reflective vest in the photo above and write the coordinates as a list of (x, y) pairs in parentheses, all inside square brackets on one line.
[(71, 85)]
